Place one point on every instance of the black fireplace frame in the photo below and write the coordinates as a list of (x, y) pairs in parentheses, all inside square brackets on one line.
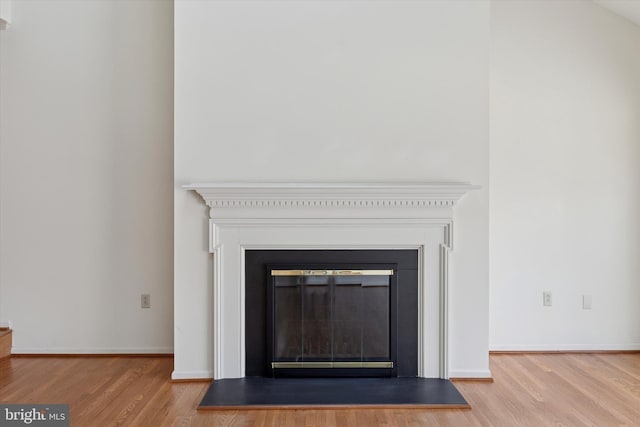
[(407, 277)]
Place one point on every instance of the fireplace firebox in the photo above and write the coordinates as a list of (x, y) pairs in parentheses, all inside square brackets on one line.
[(331, 313)]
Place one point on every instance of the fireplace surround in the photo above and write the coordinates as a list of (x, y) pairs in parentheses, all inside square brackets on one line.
[(337, 216), (361, 313)]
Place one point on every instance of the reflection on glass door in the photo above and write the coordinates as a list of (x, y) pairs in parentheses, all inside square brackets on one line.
[(331, 315)]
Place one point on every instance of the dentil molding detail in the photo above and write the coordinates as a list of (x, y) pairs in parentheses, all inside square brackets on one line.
[(330, 195)]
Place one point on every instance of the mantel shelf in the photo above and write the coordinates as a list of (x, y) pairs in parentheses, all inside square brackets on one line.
[(330, 195)]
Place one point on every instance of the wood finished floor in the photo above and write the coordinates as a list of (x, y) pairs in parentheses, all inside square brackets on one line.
[(529, 390)]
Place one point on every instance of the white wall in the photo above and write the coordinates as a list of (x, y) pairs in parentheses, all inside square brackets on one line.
[(565, 182), (85, 175), (350, 91), (331, 91)]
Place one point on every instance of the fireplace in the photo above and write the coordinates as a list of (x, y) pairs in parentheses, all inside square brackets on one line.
[(249, 218)]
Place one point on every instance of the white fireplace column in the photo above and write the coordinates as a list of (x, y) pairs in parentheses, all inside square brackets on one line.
[(246, 216)]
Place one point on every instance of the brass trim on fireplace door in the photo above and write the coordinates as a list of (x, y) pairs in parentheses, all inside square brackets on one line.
[(276, 365), (332, 272)]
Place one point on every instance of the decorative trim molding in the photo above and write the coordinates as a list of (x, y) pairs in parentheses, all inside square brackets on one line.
[(192, 380), (191, 375), (90, 355), (329, 203), (566, 348), (443, 328), (329, 216), (330, 195), (91, 351), (461, 374)]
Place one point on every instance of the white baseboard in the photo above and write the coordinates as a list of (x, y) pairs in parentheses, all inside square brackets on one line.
[(564, 347), (91, 350), (462, 373), (191, 375)]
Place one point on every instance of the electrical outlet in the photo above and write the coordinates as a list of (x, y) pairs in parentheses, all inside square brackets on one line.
[(586, 302), (546, 299), (145, 301)]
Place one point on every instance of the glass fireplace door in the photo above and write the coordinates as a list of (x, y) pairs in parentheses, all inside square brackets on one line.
[(331, 318)]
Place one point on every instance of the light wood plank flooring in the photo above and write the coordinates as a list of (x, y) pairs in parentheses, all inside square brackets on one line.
[(529, 390)]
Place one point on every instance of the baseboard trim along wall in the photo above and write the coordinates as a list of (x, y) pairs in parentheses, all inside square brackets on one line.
[(469, 375), (191, 375), (192, 380), (90, 355), (481, 380), (147, 351), (585, 348)]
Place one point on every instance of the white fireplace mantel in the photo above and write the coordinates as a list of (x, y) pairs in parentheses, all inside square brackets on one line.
[(227, 195), (245, 216)]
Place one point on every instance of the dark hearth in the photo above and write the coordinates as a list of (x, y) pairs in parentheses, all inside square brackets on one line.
[(257, 393)]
